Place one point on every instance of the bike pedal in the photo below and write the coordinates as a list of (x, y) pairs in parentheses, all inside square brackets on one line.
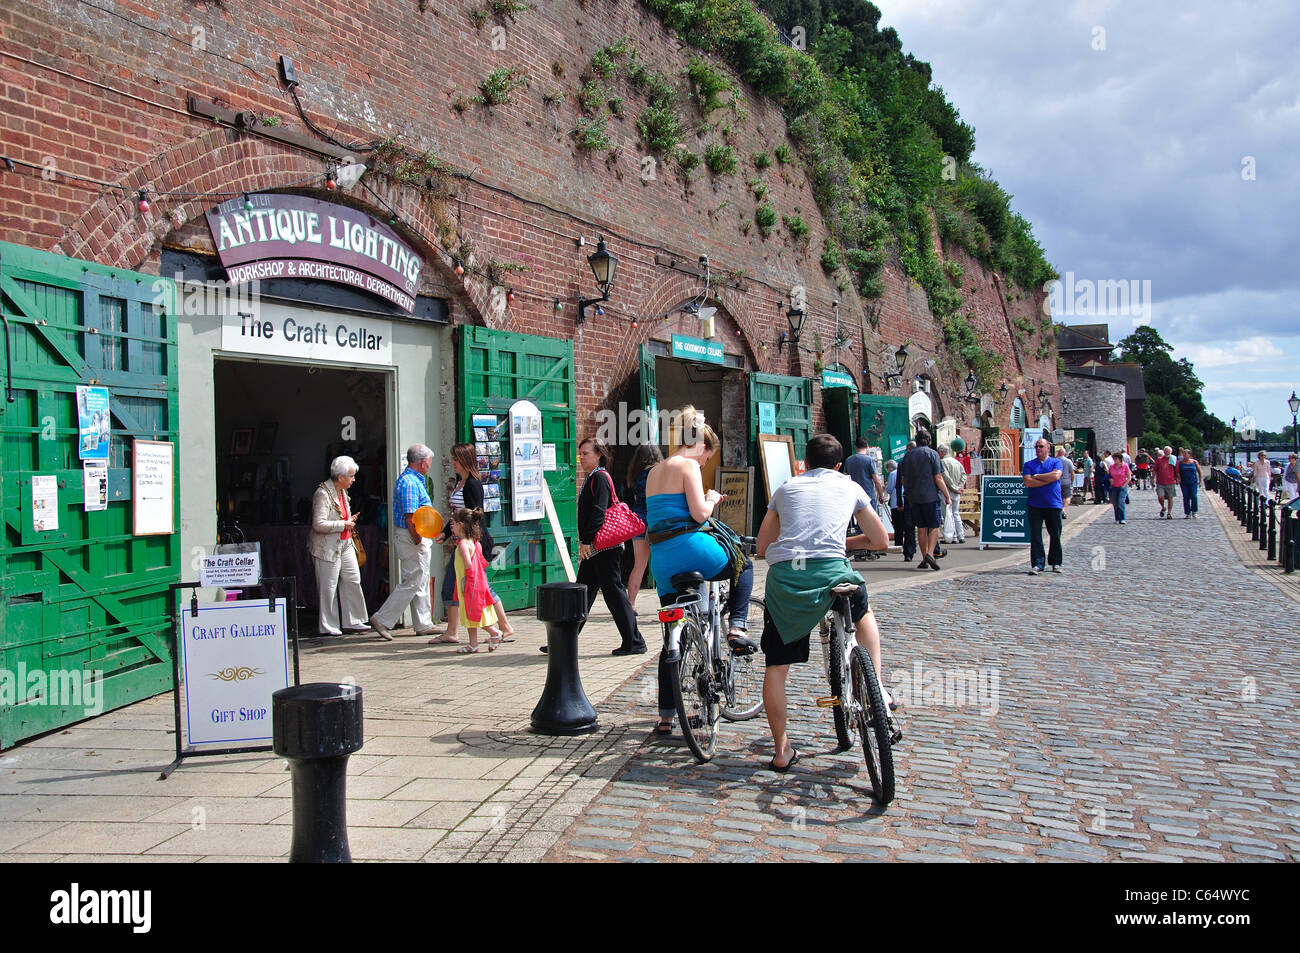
[(895, 734), (832, 701)]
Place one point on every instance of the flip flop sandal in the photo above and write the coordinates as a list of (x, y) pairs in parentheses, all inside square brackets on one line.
[(782, 769), (663, 729), (444, 640)]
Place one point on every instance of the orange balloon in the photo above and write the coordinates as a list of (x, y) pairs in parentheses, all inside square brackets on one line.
[(427, 522)]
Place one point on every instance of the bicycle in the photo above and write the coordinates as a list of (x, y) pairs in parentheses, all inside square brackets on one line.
[(857, 700), (709, 683)]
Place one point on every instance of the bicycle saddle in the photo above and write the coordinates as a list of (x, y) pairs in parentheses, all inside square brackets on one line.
[(683, 581)]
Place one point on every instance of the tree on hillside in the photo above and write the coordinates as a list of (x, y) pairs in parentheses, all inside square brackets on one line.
[(1173, 404)]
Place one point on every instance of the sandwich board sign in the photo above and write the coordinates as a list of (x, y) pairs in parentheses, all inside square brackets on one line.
[(1004, 511)]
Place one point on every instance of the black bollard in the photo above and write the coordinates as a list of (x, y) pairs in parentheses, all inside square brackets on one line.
[(563, 708), (317, 726), (1272, 530)]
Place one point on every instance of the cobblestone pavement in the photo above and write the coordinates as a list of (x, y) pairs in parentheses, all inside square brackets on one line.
[(1139, 706)]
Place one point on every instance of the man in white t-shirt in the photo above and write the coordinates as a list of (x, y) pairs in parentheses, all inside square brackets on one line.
[(802, 538)]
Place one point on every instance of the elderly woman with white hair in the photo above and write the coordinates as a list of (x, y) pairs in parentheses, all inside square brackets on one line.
[(334, 553)]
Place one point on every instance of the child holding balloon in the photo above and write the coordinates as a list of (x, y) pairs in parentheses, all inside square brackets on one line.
[(472, 592)]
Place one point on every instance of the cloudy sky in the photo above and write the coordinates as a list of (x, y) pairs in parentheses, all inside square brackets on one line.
[(1150, 142)]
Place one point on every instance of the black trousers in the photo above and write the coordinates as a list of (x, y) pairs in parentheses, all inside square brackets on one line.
[(1038, 516), (602, 572), (904, 531)]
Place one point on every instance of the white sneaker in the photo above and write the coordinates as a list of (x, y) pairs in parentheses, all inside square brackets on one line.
[(1056, 569), (1035, 571)]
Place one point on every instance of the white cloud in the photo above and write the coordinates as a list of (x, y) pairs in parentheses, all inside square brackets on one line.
[(1248, 351)]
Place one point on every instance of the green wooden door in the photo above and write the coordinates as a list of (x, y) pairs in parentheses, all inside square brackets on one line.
[(88, 597), (883, 419), (792, 397), (496, 369)]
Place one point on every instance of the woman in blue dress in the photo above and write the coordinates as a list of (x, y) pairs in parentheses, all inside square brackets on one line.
[(1189, 475), (676, 505)]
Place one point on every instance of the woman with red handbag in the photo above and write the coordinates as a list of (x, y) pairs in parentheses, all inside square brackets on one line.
[(600, 569)]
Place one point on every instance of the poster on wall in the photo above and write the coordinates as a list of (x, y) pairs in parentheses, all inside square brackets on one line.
[(94, 478), (234, 655), (152, 482), (526, 461), (45, 502), (92, 422), (1027, 441), (487, 456)]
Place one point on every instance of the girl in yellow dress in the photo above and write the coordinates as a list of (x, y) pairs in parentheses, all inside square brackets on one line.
[(476, 610)]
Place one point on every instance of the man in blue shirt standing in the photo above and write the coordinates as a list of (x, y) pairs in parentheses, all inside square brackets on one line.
[(862, 468), (1042, 477), (413, 550)]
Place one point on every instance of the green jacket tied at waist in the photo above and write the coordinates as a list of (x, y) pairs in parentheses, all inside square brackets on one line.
[(798, 598)]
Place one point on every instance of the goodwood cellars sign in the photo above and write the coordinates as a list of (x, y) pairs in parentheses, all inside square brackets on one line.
[(292, 236)]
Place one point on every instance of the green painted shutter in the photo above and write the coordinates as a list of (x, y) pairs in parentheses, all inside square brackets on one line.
[(649, 389), (496, 369), (89, 596), (793, 399)]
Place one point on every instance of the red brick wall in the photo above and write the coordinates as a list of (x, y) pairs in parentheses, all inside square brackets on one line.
[(103, 95)]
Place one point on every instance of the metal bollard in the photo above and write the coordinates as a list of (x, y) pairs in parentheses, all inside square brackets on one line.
[(563, 708), (1262, 528), (1272, 531), (317, 726)]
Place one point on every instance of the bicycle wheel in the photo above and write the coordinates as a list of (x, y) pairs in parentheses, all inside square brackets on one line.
[(697, 703), (837, 670), (743, 689), (872, 722)]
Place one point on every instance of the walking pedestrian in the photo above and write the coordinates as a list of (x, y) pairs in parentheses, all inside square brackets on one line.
[(1189, 475), (1291, 477), (923, 487), (1119, 473), (473, 596), (955, 479), (413, 550), (1263, 473), (1067, 479), (1142, 468), (601, 571), (1101, 484), (334, 554), (904, 531), (468, 493), (1042, 476), (1089, 465), (1166, 484)]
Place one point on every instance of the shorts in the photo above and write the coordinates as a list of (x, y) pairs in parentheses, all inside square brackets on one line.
[(1169, 492), (925, 515), (777, 652)]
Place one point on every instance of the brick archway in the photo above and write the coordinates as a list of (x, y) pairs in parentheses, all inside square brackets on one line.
[(214, 167)]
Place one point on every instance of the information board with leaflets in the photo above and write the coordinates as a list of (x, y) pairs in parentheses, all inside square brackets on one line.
[(1004, 511)]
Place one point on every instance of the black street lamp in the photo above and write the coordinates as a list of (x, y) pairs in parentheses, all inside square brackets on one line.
[(795, 317), (602, 266), (1294, 404), (971, 383), (1233, 459)]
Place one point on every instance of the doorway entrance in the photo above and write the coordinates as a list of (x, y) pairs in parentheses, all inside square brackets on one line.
[(278, 427)]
